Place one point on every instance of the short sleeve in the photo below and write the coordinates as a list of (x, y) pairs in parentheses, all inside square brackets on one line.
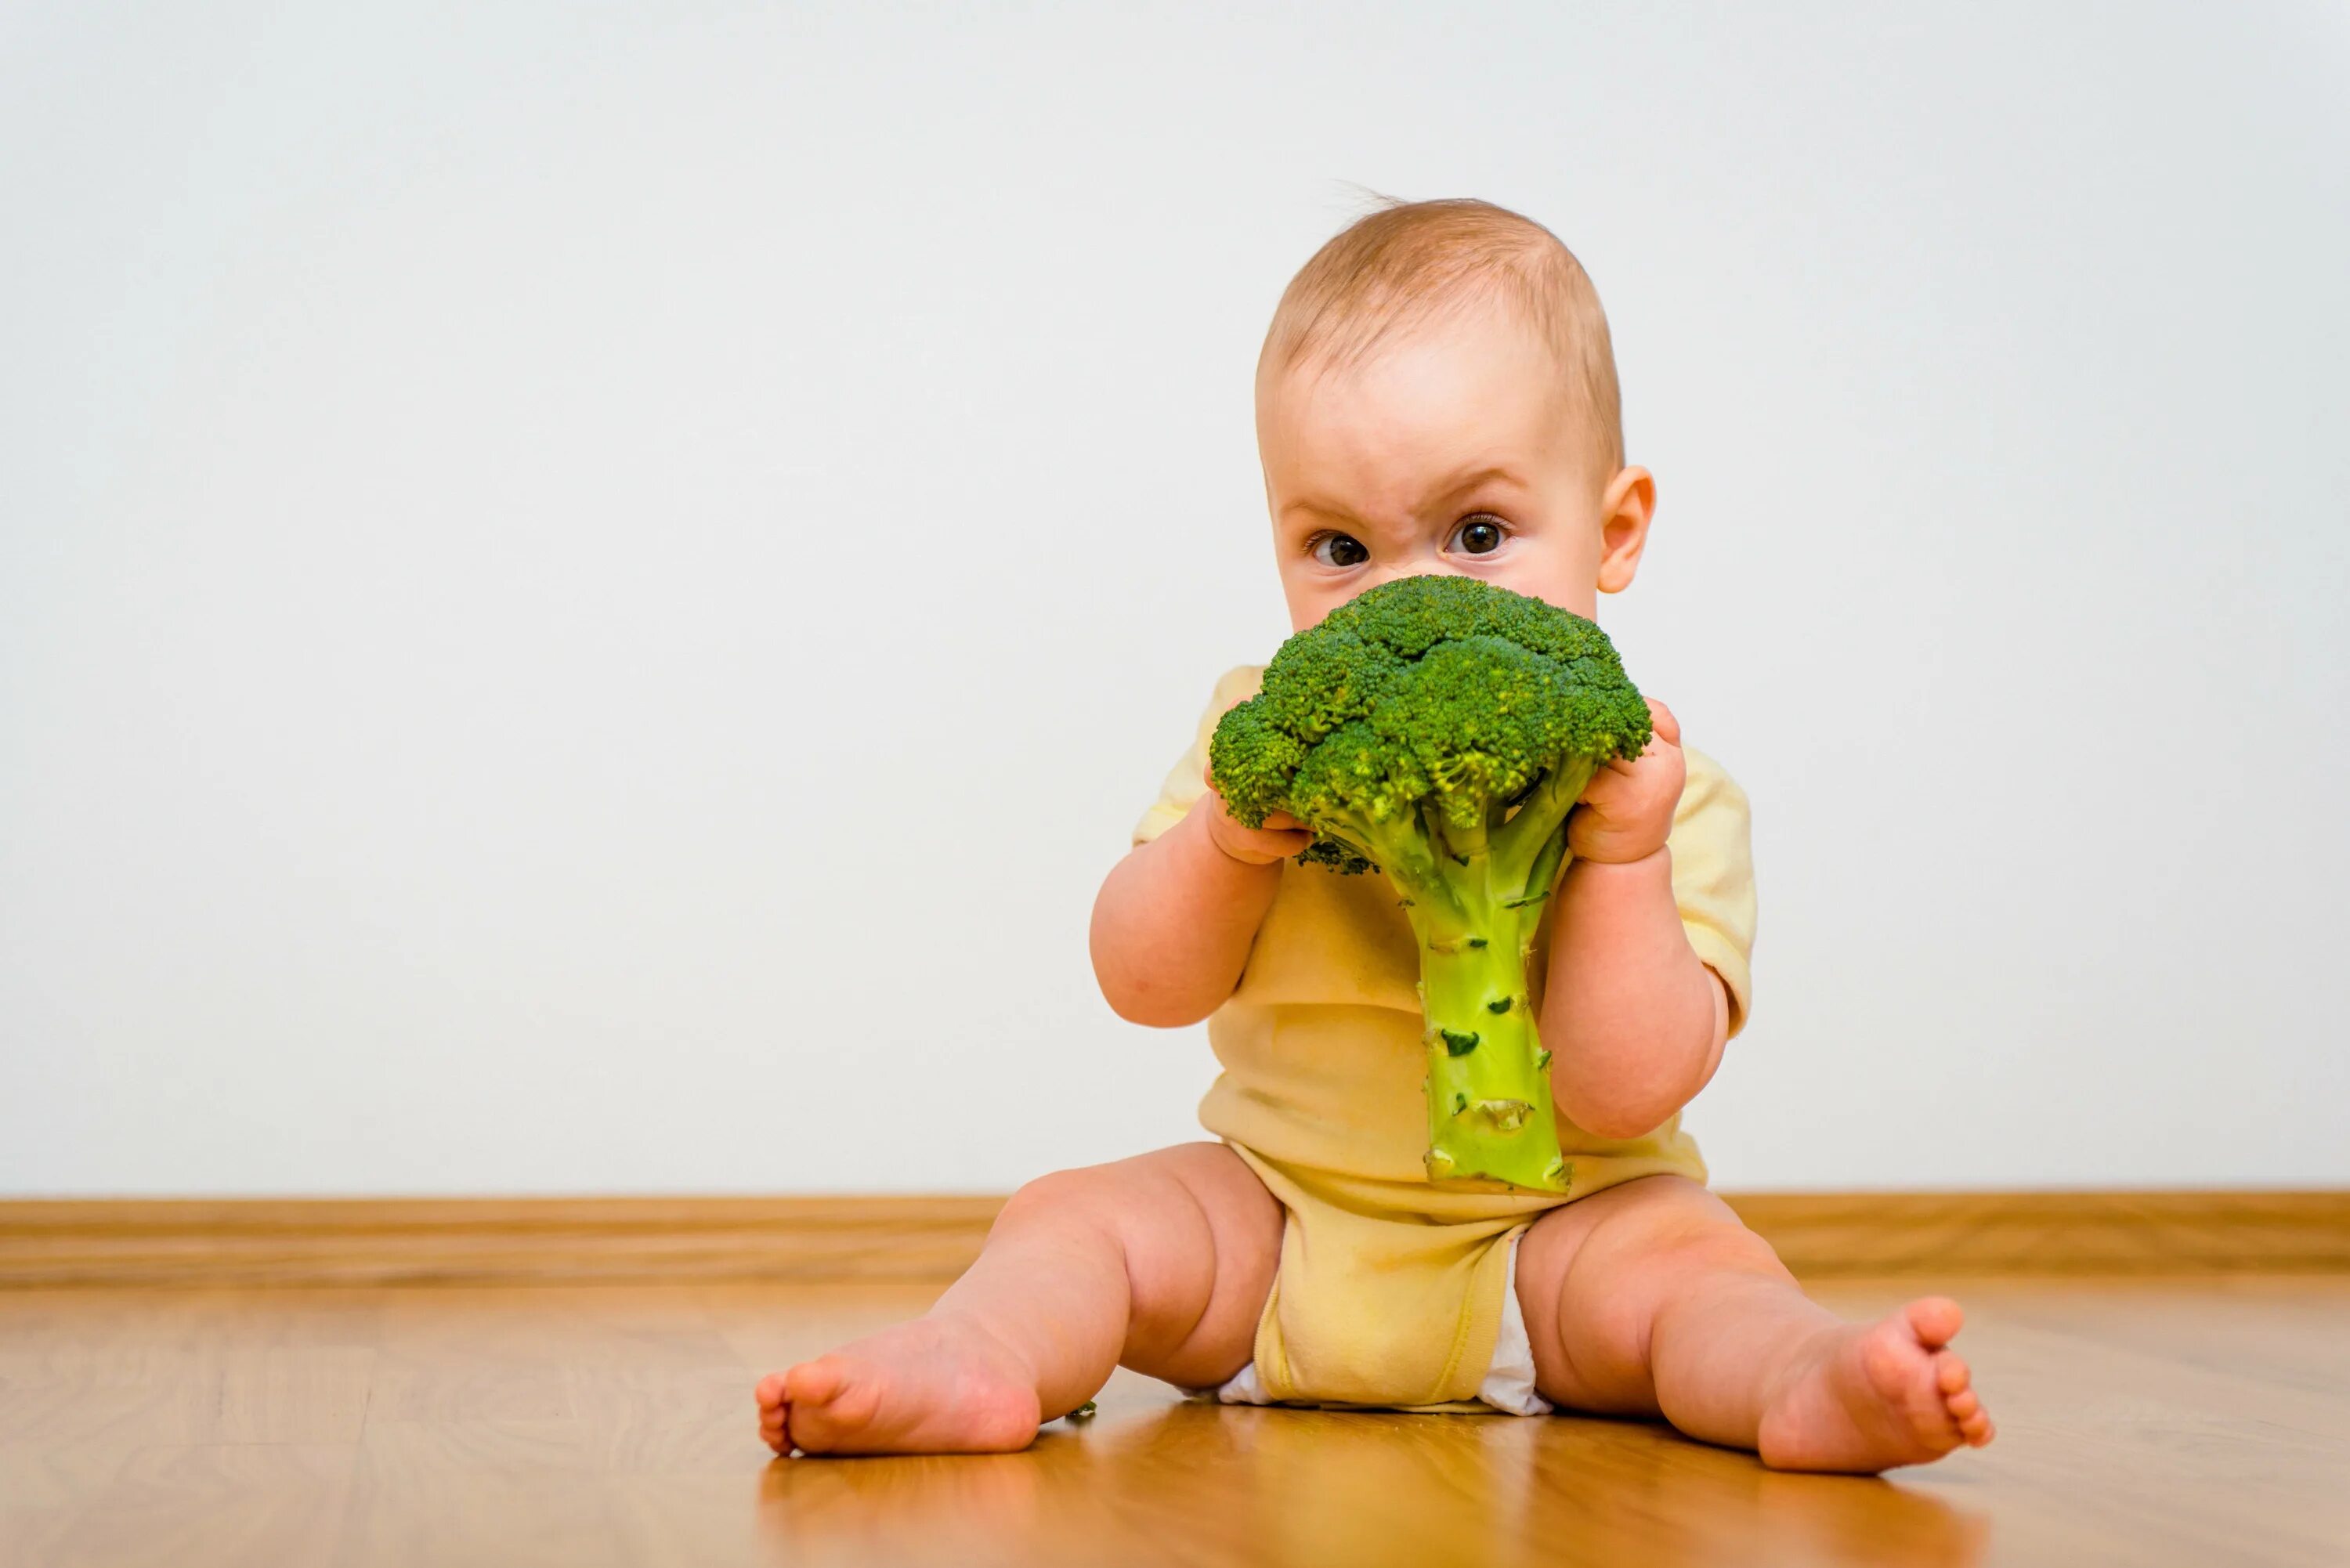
[(1187, 780), (1713, 876)]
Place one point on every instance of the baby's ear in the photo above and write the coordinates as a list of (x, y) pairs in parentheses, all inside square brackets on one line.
[(1625, 511)]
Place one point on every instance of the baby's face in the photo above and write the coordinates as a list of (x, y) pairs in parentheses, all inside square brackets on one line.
[(1451, 449)]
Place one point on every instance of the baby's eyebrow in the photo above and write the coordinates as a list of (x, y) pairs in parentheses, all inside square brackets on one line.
[(1467, 479), (1459, 484)]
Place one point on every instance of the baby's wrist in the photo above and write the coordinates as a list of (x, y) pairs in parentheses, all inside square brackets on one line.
[(1245, 854), (1232, 842), (1653, 858)]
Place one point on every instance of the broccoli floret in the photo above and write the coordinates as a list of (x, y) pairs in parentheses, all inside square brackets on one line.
[(1440, 729)]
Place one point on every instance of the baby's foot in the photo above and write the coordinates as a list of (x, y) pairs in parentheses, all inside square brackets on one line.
[(1874, 1395), (933, 1386)]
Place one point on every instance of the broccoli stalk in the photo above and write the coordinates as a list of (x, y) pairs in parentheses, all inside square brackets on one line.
[(1440, 729), (1474, 897)]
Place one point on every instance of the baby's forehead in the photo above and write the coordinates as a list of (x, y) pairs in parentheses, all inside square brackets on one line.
[(1413, 439), (1496, 386)]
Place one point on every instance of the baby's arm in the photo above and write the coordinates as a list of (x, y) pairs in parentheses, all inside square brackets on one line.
[(1634, 1019), (1174, 920)]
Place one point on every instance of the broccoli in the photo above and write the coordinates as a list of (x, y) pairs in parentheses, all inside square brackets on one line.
[(1440, 729)]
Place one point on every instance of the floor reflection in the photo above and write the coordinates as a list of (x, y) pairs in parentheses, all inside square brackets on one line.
[(1153, 1481)]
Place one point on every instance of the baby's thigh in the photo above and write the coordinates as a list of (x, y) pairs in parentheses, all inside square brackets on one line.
[(1199, 1236), (1592, 1275)]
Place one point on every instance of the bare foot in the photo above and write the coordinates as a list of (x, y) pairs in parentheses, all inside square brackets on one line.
[(1874, 1395), (933, 1386)]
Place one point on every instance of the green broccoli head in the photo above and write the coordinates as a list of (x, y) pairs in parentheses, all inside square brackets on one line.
[(1440, 729), (1427, 702)]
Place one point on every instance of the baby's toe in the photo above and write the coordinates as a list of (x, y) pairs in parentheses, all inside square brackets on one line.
[(1936, 1320), (815, 1382), (1929, 1407), (1950, 1374), (770, 1391)]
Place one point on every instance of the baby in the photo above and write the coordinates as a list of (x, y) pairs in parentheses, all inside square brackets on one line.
[(1437, 393)]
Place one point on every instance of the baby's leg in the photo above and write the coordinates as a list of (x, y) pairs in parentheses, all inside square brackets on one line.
[(1161, 1262), (1651, 1298)]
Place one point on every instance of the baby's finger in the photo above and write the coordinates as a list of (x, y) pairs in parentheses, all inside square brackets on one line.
[(1281, 821), (1667, 728), (1608, 785)]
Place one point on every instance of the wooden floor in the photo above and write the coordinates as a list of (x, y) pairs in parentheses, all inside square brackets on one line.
[(2201, 1421)]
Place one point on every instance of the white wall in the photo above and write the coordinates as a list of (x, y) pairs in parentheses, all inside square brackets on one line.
[(584, 601)]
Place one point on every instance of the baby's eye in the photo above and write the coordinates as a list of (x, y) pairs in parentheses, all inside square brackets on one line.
[(1477, 535), (1339, 550)]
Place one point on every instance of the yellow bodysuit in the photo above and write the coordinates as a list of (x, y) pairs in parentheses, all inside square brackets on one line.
[(1388, 1290)]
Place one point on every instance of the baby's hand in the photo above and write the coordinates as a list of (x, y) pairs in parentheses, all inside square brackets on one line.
[(1627, 807), (1283, 836)]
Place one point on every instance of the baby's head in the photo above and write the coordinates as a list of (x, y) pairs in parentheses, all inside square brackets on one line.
[(1437, 394)]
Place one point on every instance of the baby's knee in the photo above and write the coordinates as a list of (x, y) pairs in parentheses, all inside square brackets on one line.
[(1109, 1197), (1082, 1193), (1660, 1246), (1714, 1245)]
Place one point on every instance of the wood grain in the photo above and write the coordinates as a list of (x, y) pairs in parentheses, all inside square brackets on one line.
[(485, 1240), (2142, 1421), (544, 1240), (1917, 1233)]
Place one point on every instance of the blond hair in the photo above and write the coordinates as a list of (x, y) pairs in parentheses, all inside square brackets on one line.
[(1411, 263)]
